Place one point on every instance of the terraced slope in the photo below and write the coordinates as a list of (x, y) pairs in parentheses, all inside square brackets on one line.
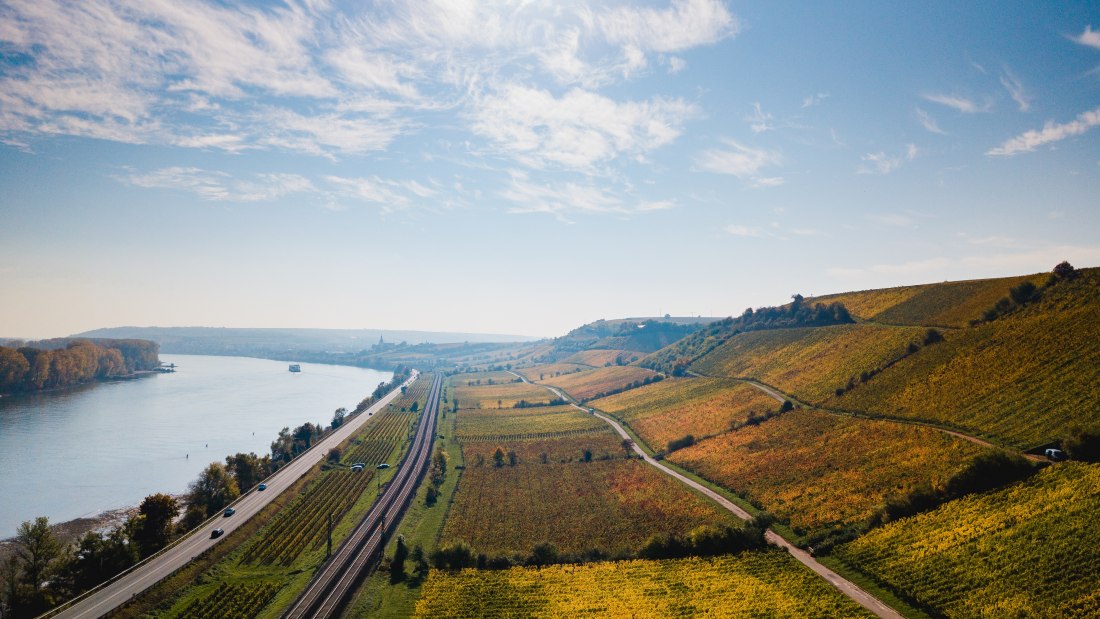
[(1029, 550), (1025, 378), (823, 472), (810, 363), (752, 584), (675, 407), (599, 358)]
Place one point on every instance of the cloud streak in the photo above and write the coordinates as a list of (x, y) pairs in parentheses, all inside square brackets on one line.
[(1050, 133), (741, 161), (957, 103)]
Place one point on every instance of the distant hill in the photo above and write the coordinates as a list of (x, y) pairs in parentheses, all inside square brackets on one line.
[(279, 343)]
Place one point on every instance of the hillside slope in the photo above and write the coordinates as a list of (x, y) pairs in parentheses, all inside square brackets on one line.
[(1025, 378)]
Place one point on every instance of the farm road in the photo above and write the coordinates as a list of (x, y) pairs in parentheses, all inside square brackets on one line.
[(844, 585)]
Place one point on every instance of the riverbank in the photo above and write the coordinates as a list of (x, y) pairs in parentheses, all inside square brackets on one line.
[(71, 531)]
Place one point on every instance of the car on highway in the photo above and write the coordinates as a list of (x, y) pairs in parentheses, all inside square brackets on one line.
[(229, 511), (216, 533), (261, 487)]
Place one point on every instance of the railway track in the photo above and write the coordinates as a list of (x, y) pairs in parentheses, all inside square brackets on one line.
[(334, 581)]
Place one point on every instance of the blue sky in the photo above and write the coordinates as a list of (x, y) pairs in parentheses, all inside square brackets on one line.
[(528, 167)]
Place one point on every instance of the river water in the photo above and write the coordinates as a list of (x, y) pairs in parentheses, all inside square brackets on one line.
[(82, 451)]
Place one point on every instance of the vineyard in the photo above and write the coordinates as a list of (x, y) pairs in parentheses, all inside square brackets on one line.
[(233, 601), (1029, 550), (540, 420), (600, 358), (951, 304), (611, 506), (483, 378), (1025, 378), (304, 522), (504, 395), (592, 383), (665, 411), (529, 448), (751, 584), (820, 471), (810, 363)]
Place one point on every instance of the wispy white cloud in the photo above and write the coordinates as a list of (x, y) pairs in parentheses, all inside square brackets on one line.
[(747, 231), (741, 161), (330, 191), (1089, 37), (219, 186), (578, 130), (1051, 132), (759, 121), (1016, 90), (881, 163), (815, 99), (562, 199), (676, 64), (686, 24), (961, 104), (928, 122)]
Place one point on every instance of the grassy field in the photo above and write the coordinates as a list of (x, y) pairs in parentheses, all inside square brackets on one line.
[(491, 424), (752, 584), (1029, 550), (600, 358), (675, 407), (950, 304), (819, 471), (483, 378), (1025, 378), (504, 395), (591, 383), (810, 363), (612, 506)]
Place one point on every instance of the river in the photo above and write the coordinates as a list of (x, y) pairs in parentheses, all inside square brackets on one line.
[(82, 451)]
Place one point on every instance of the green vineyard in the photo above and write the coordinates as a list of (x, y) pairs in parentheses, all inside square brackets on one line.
[(305, 521), (233, 601)]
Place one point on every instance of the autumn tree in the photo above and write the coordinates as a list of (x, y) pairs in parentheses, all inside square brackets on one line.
[(214, 489)]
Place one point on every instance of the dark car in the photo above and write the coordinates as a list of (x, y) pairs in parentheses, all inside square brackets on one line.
[(262, 487), (229, 511), (216, 533), (384, 466)]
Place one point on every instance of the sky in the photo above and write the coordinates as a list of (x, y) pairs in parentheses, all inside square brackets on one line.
[(527, 167)]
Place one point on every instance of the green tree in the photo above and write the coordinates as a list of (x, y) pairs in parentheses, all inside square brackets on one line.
[(99, 557), (38, 551), (154, 528), (214, 489), (498, 457), (338, 417), (1083, 444), (247, 468)]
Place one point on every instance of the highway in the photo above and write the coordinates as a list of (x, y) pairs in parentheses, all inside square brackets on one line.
[(149, 572), (334, 581)]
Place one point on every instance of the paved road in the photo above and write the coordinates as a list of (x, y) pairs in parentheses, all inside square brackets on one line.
[(148, 573), (845, 586), (334, 581)]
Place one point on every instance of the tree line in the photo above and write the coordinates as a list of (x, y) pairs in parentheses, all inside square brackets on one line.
[(57, 363)]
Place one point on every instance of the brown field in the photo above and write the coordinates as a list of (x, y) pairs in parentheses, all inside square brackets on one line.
[(612, 506), (819, 471), (588, 384), (675, 407)]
